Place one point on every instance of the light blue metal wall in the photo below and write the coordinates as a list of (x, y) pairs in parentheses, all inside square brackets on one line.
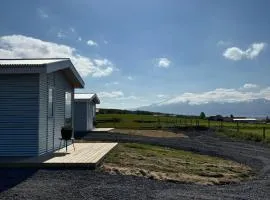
[(61, 86), (84, 116), (25, 129), (43, 114), (50, 127), (19, 114)]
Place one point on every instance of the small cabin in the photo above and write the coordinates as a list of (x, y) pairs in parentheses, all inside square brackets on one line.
[(36, 101), (85, 113)]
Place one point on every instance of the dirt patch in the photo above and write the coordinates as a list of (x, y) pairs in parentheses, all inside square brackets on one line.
[(167, 164), (150, 133)]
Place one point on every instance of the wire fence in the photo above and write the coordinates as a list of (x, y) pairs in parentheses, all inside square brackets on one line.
[(256, 130)]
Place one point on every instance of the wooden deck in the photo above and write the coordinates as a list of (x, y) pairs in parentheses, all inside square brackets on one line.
[(85, 155)]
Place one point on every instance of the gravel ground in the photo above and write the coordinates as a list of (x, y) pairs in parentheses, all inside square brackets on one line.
[(88, 184)]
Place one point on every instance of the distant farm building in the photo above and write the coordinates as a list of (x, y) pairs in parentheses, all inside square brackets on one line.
[(247, 120)]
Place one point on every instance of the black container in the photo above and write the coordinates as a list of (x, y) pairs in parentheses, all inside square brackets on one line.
[(66, 133)]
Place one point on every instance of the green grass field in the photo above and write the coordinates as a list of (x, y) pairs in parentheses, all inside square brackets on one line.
[(135, 121)]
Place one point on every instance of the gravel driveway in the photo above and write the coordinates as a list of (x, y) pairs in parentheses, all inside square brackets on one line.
[(88, 184)]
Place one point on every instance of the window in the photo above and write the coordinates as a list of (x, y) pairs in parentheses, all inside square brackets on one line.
[(50, 103), (68, 112), (94, 110)]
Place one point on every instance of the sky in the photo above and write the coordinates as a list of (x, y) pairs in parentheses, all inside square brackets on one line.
[(137, 53)]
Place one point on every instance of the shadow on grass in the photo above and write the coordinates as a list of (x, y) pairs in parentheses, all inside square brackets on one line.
[(10, 177)]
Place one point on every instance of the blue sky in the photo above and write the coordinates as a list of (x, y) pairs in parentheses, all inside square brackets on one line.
[(135, 53)]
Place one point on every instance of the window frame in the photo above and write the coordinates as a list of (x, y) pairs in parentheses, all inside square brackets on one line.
[(68, 108), (51, 102)]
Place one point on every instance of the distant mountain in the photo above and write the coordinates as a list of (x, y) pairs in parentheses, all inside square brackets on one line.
[(253, 108)]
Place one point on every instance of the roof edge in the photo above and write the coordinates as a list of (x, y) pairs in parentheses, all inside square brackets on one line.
[(66, 63), (86, 100)]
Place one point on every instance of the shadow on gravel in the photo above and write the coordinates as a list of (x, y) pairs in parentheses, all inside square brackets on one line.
[(10, 177)]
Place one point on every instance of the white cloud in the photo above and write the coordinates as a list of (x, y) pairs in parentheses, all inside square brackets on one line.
[(163, 62), (116, 83), (223, 43), (249, 86), (42, 14), (105, 42), (118, 96), (112, 83), (61, 34), (255, 50), (92, 43), (130, 78), (235, 53), (72, 29), (101, 62), (19, 46), (118, 100), (113, 94), (79, 39), (132, 97), (221, 95), (162, 96)]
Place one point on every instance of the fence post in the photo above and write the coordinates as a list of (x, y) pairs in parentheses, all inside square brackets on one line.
[(237, 126), (208, 123), (264, 133)]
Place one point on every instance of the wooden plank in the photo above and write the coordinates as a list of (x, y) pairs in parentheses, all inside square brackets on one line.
[(86, 154)]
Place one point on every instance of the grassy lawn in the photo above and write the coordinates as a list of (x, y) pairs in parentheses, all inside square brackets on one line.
[(136, 121), (149, 133), (172, 165), (246, 134)]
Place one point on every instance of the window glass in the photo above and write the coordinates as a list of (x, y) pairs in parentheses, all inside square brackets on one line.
[(50, 103), (68, 110), (94, 110)]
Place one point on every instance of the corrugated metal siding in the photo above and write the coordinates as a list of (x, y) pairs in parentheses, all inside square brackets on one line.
[(50, 127), (61, 86), (50, 131), (80, 116), (19, 114), (84, 116), (43, 113)]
